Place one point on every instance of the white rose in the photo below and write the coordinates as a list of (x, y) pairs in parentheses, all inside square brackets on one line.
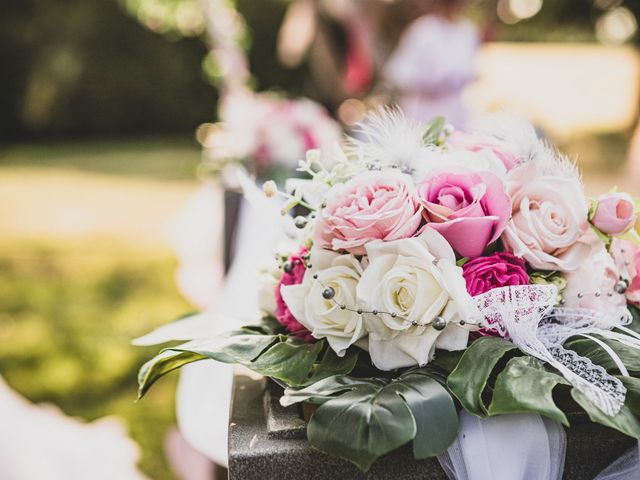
[(323, 316), (549, 219), (417, 280)]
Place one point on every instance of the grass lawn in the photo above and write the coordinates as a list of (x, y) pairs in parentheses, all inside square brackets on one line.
[(74, 294)]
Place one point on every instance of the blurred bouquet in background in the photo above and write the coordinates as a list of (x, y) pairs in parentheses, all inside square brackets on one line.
[(265, 133)]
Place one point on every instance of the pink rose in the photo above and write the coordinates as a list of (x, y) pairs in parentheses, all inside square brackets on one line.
[(503, 151), (469, 209), (292, 277), (592, 285), (494, 271), (371, 206), (615, 213), (627, 258), (548, 220)]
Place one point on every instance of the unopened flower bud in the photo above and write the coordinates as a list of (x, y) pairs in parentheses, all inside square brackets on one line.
[(270, 188)]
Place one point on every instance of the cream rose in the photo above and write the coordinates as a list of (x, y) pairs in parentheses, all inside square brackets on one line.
[(548, 221), (409, 283), (323, 316)]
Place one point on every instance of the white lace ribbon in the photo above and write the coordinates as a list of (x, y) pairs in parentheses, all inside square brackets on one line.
[(526, 315)]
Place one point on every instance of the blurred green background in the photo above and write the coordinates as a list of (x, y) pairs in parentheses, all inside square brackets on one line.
[(99, 102)]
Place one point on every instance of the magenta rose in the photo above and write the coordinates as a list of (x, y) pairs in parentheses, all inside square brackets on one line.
[(501, 269), (615, 213), (371, 206), (293, 277), (469, 209)]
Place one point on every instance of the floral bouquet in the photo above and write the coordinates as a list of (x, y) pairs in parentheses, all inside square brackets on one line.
[(435, 271), (266, 133)]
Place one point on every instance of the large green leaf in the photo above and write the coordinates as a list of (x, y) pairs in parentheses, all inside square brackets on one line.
[(362, 419), (331, 364), (289, 361), (624, 421), (588, 348), (362, 425), (231, 347), (433, 410), (325, 389), (433, 130), (236, 346), (160, 365), (469, 379), (525, 386)]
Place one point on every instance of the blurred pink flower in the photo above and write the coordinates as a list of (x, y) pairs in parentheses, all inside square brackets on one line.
[(469, 209), (592, 285), (370, 206), (486, 145)]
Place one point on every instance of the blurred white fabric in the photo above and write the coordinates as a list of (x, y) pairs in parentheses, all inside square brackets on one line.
[(432, 64), (39, 442), (204, 390), (507, 447)]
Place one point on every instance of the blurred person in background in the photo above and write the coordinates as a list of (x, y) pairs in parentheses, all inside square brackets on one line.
[(434, 61)]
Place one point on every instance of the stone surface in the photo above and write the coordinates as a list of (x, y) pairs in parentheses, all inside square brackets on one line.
[(268, 441)]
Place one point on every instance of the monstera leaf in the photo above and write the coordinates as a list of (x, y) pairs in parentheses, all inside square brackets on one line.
[(363, 419), (525, 386), (468, 380)]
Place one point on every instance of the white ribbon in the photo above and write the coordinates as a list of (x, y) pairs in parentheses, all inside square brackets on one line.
[(526, 315)]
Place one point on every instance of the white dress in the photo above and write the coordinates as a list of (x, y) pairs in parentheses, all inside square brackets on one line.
[(430, 67), (39, 442)]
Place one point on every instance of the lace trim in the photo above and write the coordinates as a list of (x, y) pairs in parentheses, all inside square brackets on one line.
[(526, 316)]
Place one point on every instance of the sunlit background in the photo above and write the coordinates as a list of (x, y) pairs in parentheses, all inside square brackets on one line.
[(104, 108)]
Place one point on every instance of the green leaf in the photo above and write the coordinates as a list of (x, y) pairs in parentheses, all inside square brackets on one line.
[(331, 364), (588, 348), (635, 323), (447, 360), (525, 386), (434, 129), (361, 419), (433, 410), (362, 425), (236, 346), (289, 361), (469, 379), (633, 394), (324, 390), (160, 365), (624, 421)]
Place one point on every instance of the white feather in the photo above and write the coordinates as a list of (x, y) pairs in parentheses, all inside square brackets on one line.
[(387, 138)]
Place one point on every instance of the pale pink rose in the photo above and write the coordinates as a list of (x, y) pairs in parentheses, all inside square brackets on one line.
[(592, 284), (627, 257), (549, 219), (371, 206), (469, 209), (615, 213), (503, 151)]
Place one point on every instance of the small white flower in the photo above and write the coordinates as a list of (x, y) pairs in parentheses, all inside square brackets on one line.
[(270, 188)]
